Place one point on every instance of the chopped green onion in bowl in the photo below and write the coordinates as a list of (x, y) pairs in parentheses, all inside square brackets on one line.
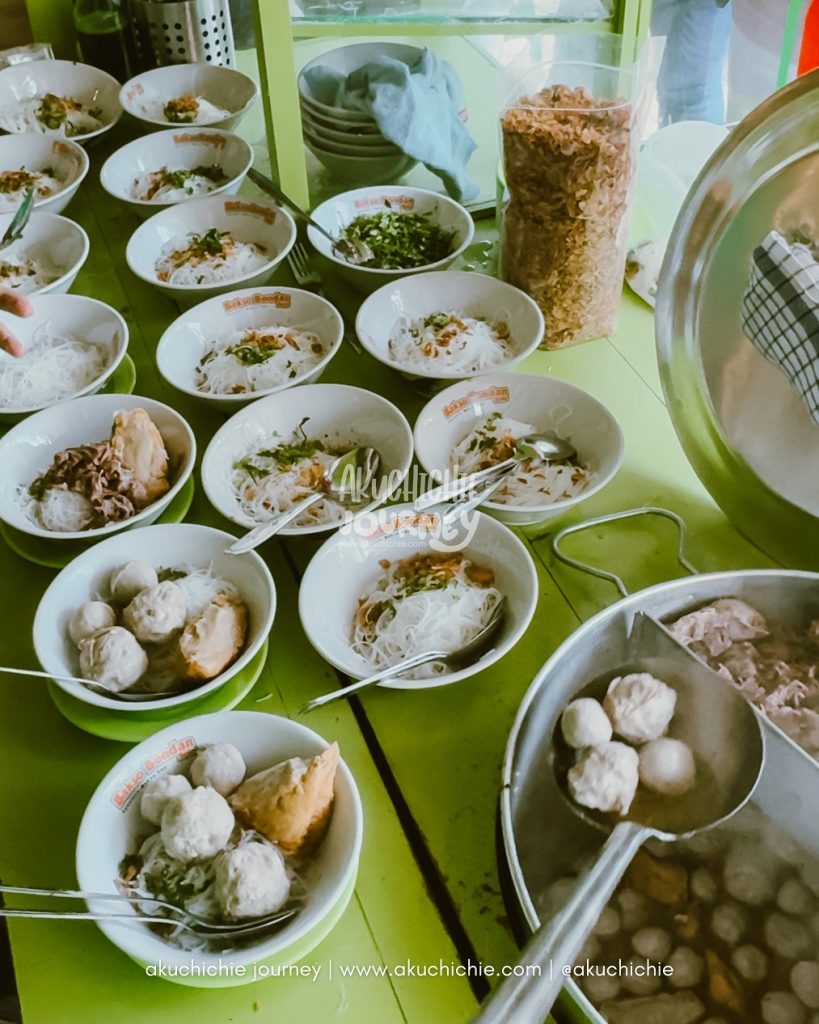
[(400, 241)]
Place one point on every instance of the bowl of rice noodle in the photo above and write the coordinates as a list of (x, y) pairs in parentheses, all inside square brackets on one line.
[(46, 258), (189, 94), (58, 97), (93, 466), (72, 345), (238, 347), (191, 556), (474, 424), (165, 168), (113, 828), (54, 168), (211, 245), (449, 325), (273, 453), (396, 584)]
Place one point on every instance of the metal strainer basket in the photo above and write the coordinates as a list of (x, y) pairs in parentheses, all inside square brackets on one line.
[(193, 31)]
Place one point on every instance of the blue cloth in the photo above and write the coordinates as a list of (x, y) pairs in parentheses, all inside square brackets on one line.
[(415, 107)]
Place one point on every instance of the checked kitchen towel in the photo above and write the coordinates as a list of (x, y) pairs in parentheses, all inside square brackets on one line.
[(780, 312)]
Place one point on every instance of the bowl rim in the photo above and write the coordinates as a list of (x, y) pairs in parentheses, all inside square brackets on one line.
[(66, 64), (441, 375), (87, 696), (391, 274), (235, 282), (139, 944), (572, 389), (369, 153), (126, 105), (166, 341), (527, 579), (119, 353), (151, 204), (111, 529), (402, 424), (52, 288), (65, 193)]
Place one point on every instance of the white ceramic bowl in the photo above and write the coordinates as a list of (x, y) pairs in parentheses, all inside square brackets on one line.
[(547, 404), (347, 564), (351, 147), (81, 82), (168, 545), (335, 214), (355, 134), (80, 317), (471, 294), (346, 59), (369, 168), (182, 346), (223, 87), (35, 152), (55, 241), (26, 452), (113, 827), (250, 220), (178, 149), (352, 129), (342, 412)]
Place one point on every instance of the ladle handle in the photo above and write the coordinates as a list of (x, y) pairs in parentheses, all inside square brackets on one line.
[(259, 534), (266, 185), (527, 996), (630, 513)]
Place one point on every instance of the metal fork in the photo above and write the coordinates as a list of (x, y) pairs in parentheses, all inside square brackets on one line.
[(308, 277), (183, 918)]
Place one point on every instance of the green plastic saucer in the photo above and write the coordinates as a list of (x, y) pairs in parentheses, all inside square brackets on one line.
[(134, 726), (123, 380), (55, 554)]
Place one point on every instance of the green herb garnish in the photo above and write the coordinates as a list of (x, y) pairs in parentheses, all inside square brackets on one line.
[(401, 241)]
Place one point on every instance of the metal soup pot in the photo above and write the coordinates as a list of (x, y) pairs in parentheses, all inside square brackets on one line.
[(543, 839)]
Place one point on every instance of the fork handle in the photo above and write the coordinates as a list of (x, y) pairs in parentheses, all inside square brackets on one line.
[(86, 915), (72, 894), (266, 185), (259, 534), (386, 673)]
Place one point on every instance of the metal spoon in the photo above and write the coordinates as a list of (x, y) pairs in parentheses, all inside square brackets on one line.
[(134, 696), (465, 655), (545, 446), (347, 477), (19, 220), (347, 249), (725, 735)]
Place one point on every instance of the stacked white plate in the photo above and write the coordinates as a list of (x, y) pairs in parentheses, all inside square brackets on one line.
[(348, 142)]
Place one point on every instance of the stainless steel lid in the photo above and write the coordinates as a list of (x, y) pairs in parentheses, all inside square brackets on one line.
[(743, 425)]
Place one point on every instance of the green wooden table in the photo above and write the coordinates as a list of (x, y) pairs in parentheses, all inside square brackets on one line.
[(427, 762)]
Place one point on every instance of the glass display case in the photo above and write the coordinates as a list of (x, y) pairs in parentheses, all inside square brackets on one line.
[(479, 38)]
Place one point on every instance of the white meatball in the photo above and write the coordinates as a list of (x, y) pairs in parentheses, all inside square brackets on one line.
[(605, 777), (652, 943), (688, 967), (635, 909), (805, 982), (751, 963), (251, 881), (556, 896), (643, 984), (749, 876), (590, 950), (608, 924), (667, 766), (127, 581), (794, 897), (112, 657), (584, 723), (158, 792), (703, 885), (640, 706), (814, 1018), (600, 987), (787, 936), (196, 824), (810, 876), (729, 922), (782, 1008), (157, 613), (89, 619), (220, 766)]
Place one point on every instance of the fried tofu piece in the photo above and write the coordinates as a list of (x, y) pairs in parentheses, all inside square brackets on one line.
[(137, 443), (291, 802), (662, 881), (724, 986), (211, 641)]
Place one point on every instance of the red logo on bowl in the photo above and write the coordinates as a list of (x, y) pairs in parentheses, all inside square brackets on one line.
[(135, 90), (61, 149), (208, 139), (267, 213), (422, 522), (497, 395), (278, 299), (176, 750), (404, 203)]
